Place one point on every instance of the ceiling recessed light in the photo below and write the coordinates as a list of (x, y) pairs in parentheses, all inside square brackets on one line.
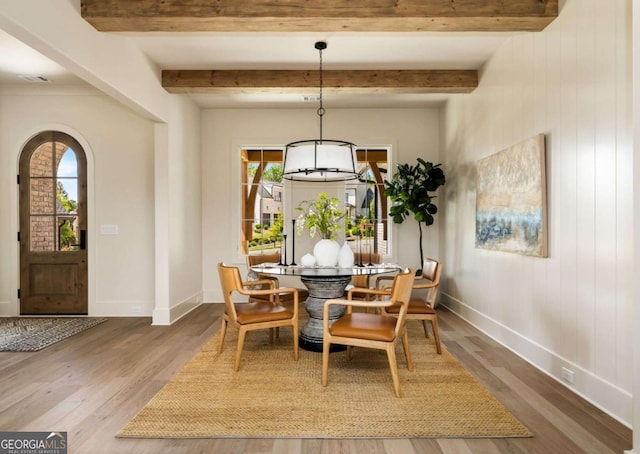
[(33, 78)]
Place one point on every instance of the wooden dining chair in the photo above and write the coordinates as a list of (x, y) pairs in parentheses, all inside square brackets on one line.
[(363, 281), (254, 315), (285, 298), (378, 331), (422, 307)]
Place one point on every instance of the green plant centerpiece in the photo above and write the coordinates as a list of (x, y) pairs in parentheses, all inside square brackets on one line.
[(410, 191), (322, 216)]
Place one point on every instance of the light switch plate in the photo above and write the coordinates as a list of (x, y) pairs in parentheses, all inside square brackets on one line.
[(109, 229)]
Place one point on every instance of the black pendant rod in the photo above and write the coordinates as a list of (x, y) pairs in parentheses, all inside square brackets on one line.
[(321, 45)]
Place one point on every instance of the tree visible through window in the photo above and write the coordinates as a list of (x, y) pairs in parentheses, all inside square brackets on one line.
[(366, 225), (53, 201)]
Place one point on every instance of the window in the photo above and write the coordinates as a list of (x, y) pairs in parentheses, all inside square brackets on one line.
[(261, 200), (53, 198), (366, 223)]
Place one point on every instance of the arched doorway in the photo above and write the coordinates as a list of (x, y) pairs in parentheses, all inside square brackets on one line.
[(53, 226)]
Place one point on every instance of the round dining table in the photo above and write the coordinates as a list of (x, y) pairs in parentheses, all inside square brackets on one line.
[(323, 283)]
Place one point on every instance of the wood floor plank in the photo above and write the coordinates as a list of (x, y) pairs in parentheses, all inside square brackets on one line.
[(92, 384), (509, 446), (526, 410), (584, 439), (452, 446), (71, 411), (287, 446), (426, 446), (398, 446)]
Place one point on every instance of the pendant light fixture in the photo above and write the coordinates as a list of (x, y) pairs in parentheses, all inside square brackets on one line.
[(320, 159)]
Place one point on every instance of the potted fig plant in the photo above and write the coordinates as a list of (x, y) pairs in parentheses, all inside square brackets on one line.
[(410, 191)]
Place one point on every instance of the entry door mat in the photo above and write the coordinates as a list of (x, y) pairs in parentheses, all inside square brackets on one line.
[(26, 334)]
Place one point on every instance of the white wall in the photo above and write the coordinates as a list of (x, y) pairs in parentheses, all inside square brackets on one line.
[(636, 219), (105, 61), (573, 309), (185, 220), (122, 71), (411, 133), (177, 213), (119, 145)]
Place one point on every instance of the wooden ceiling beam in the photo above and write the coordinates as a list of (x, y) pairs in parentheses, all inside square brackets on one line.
[(318, 15), (307, 82)]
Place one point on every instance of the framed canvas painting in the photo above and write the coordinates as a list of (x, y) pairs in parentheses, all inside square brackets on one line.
[(511, 211)]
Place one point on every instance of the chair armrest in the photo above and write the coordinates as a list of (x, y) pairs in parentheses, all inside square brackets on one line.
[(365, 291), (274, 291), (356, 303), (275, 280), (269, 291), (416, 286), (268, 282), (383, 278), (422, 286), (350, 304)]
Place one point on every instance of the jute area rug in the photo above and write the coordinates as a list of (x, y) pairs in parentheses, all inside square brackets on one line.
[(274, 396), (26, 334)]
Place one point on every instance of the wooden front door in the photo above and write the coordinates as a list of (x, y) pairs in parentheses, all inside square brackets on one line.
[(53, 226)]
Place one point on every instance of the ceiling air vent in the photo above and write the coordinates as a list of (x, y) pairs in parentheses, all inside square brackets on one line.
[(34, 78)]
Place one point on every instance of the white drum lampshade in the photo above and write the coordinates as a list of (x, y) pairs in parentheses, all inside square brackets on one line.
[(315, 160), (318, 159)]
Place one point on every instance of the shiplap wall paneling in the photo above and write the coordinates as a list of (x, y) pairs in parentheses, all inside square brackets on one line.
[(585, 141), (624, 196), (572, 309), (605, 203)]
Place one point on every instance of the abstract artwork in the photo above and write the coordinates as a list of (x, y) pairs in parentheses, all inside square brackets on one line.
[(511, 212)]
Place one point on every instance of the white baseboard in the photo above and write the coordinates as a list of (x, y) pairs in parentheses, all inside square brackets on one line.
[(606, 396), (162, 316), (133, 308)]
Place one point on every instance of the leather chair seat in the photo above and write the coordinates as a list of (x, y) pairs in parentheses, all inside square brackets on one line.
[(248, 313), (253, 316), (365, 326), (422, 308), (285, 298), (365, 330), (416, 306)]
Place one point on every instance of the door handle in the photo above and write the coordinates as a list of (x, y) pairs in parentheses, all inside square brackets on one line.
[(83, 240)]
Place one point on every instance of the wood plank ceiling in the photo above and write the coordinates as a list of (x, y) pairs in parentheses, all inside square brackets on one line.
[(319, 15)]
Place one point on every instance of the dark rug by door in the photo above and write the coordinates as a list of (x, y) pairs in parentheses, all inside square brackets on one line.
[(25, 334)]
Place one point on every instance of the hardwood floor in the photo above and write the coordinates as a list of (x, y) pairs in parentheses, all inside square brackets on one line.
[(91, 385)]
